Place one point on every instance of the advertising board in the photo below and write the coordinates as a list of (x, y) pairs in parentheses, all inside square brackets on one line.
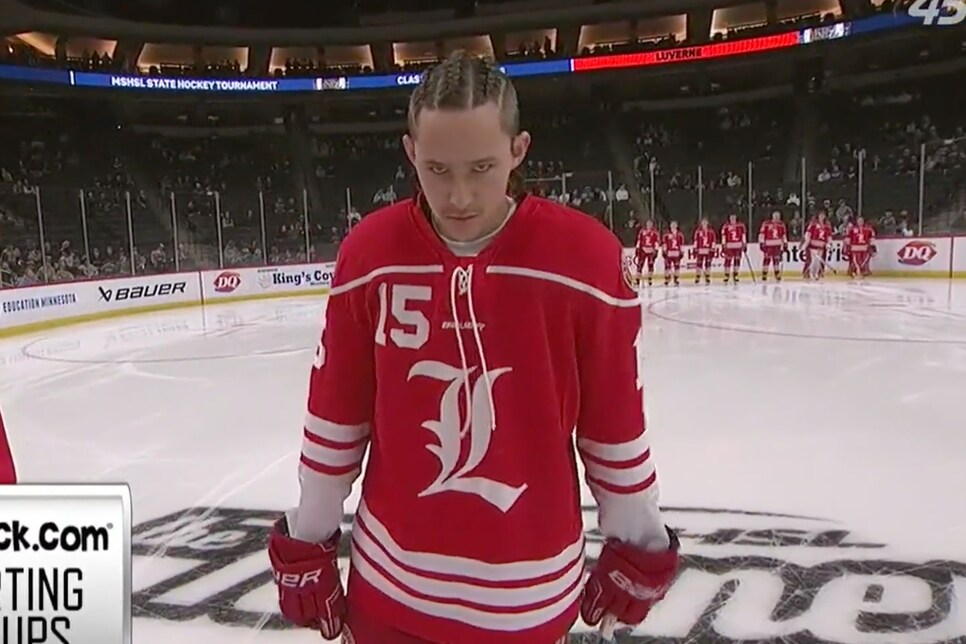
[(80, 300), (30, 308), (268, 281)]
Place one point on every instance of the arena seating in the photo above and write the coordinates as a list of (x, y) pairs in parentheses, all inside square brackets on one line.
[(68, 186)]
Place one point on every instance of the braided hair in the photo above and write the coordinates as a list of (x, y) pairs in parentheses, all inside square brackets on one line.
[(462, 82)]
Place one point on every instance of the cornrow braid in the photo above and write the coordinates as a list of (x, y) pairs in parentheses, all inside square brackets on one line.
[(464, 81)]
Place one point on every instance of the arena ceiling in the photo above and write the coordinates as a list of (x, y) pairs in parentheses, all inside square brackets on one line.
[(247, 13)]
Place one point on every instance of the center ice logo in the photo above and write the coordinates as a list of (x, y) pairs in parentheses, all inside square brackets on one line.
[(746, 576), (917, 253)]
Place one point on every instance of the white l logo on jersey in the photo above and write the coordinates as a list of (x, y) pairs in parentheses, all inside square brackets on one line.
[(451, 430)]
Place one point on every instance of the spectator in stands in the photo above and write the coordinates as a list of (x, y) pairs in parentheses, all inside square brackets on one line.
[(903, 228), (887, 223), (796, 225)]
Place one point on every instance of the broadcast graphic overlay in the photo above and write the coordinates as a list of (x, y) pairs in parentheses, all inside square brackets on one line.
[(65, 564)]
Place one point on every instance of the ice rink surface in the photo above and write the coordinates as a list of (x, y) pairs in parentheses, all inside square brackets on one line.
[(810, 442)]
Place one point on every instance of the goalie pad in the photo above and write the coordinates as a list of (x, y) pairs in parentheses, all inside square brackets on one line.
[(815, 263)]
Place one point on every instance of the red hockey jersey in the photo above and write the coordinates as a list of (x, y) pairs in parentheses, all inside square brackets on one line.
[(704, 240), (773, 234), (818, 234), (673, 243), (733, 236), (466, 378), (647, 241), (860, 238)]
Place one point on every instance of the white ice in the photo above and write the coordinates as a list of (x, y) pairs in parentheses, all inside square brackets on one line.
[(810, 442)]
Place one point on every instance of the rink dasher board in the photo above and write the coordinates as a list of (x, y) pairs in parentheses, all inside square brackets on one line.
[(39, 308)]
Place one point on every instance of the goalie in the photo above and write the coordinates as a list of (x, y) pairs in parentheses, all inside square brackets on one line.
[(815, 247), (859, 248)]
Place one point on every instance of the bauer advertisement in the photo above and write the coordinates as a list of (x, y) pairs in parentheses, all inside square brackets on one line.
[(30, 308), (38, 304)]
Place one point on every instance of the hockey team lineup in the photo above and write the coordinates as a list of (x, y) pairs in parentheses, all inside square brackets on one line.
[(775, 547), (858, 249)]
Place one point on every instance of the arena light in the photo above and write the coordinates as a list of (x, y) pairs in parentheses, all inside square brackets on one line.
[(687, 54)]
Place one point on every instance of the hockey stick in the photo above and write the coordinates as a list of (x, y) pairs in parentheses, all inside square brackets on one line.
[(826, 264), (751, 269), (607, 627), (605, 633), (865, 265)]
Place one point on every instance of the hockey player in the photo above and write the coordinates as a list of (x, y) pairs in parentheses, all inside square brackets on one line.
[(8, 471), (859, 248), (645, 251), (773, 242), (468, 331), (815, 247), (673, 246), (734, 241), (704, 242)]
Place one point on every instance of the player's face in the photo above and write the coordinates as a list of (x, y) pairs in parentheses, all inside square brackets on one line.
[(733, 219), (463, 159), (860, 221), (776, 216), (648, 224)]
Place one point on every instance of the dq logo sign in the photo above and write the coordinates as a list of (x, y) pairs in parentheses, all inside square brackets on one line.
[(227, 282), (917, 253)]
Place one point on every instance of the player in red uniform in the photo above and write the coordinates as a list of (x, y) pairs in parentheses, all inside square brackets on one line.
[(773, 241), (648, 239), (815, 245), (704, 242), (859, 248), (468, 333), (734, 241), (673, 246), (8, 470)]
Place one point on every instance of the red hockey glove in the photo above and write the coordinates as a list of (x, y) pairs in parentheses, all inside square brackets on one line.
[(627, 581), (309, 586)]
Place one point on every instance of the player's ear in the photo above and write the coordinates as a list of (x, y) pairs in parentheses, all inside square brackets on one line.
[(410, 147), (519, 146)]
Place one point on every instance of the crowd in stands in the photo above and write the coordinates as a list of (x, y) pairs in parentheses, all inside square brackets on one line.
[(82, 197)]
